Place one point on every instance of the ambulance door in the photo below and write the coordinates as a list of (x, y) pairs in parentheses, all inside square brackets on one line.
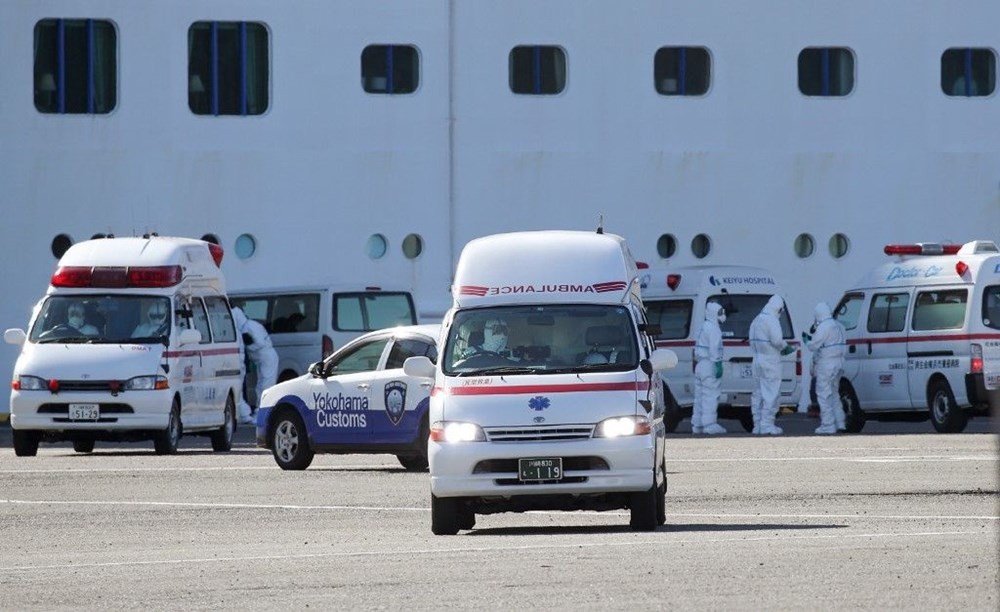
[(396, 396), (223, 361), (991, 344), (848, 313), (343, 399), (883, 383), (201, 361)]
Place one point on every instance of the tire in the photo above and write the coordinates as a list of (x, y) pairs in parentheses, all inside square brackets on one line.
[(643, 507), (466, 518), (854, 417), (446, 518), (672, 415), (946, 416), (222, 438), (418, 462), (289, 441), (83, 445), (26, 443), (167, 441)]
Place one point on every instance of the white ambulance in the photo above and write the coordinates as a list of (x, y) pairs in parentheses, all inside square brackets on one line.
[(547, 389), (675, 300), (923, 335), (133, 340)]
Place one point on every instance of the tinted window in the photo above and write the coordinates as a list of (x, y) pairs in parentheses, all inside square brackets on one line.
[(361, 312), (826, 71), (673, 317), (991, 306), (221, 319), (406, 348), (537, 70), (681, 71), (940, 309), (363, 358), (75, 66), (888, 312), (390, 69), (849, 310), (227, 68)]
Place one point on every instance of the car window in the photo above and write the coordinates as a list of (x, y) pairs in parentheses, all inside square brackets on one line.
[(362, 358), (742, 309), (405, 348), (201, 320), (991, 306), (221, 319), (888, 312), (939, 309), (849, 310), (673, 317)]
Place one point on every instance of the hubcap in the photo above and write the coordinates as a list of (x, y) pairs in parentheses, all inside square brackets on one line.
[(940, 406), (286, 441)]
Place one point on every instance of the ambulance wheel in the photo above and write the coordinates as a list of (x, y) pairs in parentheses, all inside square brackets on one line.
[(946, 416), (83, 445), (466, 518), (672, 415), (643, 507), (289, 442), (446, 515), (222, 438), (854, 417), (25, 443), (166, 441)]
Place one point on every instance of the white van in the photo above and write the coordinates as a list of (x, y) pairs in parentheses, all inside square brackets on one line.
[(923, 335), (547, 391), (307, 324), (133, 340), (675, 300)]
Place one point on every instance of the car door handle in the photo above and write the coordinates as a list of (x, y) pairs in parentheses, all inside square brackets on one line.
[(364, 386), (426, 385)]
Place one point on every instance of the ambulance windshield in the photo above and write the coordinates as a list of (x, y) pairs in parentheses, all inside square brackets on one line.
[(540, 340), (69, 319)]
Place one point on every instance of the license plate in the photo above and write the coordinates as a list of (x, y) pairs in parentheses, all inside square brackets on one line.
[(746, 371), (84, 412), (540, 468)]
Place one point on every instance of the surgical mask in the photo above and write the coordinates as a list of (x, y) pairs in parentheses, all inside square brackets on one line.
[(722, 316), (75, 321)]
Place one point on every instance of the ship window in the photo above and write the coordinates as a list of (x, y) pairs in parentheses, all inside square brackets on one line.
[(839, 245), (666, 246), (681, 71), (227, 68), (61, 244), (701, 246), (413, 246), (968, 72), (826, 71), (390, 69), (804, 245), (537, 70), (245, 247), (376, 246), (76, 66)]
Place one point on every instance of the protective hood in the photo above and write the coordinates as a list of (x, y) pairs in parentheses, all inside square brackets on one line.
[(239, 318), (90, 361), (774, 305), (712, 312), (822, 312)]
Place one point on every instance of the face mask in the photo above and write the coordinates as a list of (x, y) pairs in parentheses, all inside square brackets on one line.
[(722, 317), (76, 322)]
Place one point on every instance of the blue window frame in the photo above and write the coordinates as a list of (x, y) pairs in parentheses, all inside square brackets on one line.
[(682, 71), (826, 71), (228, 68), (537, 70), (390, 69), (968, 72), (75, 66)]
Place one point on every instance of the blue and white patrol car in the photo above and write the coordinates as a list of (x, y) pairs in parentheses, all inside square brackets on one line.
[(357, 400)]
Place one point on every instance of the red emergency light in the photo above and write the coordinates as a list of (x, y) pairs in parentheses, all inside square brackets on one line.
[(673, 280), (217, 253), (961, 268), (117, 277), (642, 265), (921, 249)]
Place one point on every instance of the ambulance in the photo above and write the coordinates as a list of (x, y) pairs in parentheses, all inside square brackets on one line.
[(133, 340), (675, 300), (547, 392), (923, 336)]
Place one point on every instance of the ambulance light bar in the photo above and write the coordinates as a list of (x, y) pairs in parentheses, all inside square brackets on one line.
[(673, 280), (117, 277), (922, 248)]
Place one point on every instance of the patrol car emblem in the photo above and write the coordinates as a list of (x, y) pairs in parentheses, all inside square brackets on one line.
[(395, 400), (538, 403)]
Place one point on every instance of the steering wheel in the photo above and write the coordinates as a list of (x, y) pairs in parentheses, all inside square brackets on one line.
[(482, 358), (63, 330)]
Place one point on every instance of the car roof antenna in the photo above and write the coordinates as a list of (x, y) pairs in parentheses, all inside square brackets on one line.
[(600, 223)]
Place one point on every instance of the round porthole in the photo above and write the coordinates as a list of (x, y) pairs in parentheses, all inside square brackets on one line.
[(413, 246), (804, 246), (376, 246), (666, 246), (701, 246), (245, 247), (839, 245), (60, 244)]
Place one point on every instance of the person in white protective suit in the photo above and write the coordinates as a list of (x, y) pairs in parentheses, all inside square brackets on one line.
[(767, 345), (494, 339), (261, 353), (828, 345), (156, 319), (708, 373)]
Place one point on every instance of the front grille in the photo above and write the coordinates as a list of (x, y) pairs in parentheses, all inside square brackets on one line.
[(539, 434), (91, 385)]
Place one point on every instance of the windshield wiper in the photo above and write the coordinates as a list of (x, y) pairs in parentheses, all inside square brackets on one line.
[(66, 340)]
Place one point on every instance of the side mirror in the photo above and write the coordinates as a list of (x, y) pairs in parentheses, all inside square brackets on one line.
[(14, 336), (316, 369), (419, 367), (662, 359), (189, 336)]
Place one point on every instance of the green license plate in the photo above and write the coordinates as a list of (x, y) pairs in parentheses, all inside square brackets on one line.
[(540, 468)]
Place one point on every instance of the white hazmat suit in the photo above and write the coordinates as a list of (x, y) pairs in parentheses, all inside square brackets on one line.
[(261, 353), (708, 373), (768, 345), (828, 346)]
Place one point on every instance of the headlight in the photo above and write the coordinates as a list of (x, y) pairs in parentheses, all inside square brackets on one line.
[(623, 426), (30, 383), (146, 383), (455, 431)]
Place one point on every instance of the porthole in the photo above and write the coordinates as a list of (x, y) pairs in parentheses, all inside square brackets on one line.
[(839, 245), (214, 239), (376, 246), (701, 246), (804, 246), (666, 246), (413, 246), (245, 247), (60, 244)]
